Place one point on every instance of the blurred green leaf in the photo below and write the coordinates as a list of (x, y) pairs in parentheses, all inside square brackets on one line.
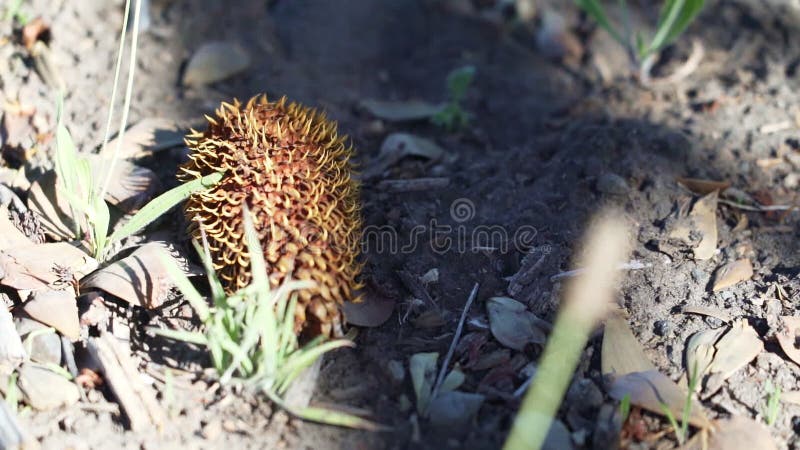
[(163, 203)]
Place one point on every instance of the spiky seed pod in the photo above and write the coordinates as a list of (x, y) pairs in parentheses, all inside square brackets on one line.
[(287, 163)]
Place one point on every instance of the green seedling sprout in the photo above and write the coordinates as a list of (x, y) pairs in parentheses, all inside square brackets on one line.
[(250, 334), (675, 16), (452, 116)]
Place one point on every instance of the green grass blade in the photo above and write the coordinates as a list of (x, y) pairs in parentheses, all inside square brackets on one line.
[(674, 18), (217, 292), (185, 286), (163, 203), (183, 336), (596, 10), (304, 357), (126, 107), (327, 416), (258, 267)]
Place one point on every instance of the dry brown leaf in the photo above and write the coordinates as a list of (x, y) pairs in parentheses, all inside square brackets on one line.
[(734, 350), (398, 111), (702, 221), (787, 337), (512, 324), (58, 309), (654, 391), (372, 311), (707, 311), (148, 136), (740, 433), (703, 187), (10, 236), (139, 279), (215, 61), (56, 218), (732, 273), (33, 31), (622, 354), (397, 146), (131, 186), (704, 214), (38, 266), (700, 352)]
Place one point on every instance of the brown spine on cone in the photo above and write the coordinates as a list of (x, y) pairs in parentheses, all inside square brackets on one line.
[(287, 163)]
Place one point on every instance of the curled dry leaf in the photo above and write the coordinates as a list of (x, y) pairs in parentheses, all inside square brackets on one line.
[(787, 337), (371, 311), (215, 61), (700, 351), (58, 309), (140, 278), (38, 266), (397, 146), (131, 186), (702, 221), (732, 273), (148, 136), (10, 235), (740, 433), (703, 187), (654, 391), (733, 350), (399, 111), (52, 208), (512, 324), (422, 367), (622, 354)]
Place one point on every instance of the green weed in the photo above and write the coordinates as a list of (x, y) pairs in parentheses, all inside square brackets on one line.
[(452, 116), (250, 335), (773, 403), (675, 16)]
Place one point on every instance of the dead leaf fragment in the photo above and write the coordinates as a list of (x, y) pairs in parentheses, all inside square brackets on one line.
[(58, 309), (454, 408), (732, 273), (33, 31), (703, 187), (423, 374), (654, 391), (701, 222), (740, 433), (52, 208), (148, 136), (131, 186), (400, 111), (622, 354), (371, 311), (215, 61), (140, 278), (787, 337), (38, 266), (10, 235), (512, 324), (397, 146)]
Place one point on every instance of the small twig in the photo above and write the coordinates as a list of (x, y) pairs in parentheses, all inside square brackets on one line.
[(687, 68), (456, 337), (758, 208), (630, 265)]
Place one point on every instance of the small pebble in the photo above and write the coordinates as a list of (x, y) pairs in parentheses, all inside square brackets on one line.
[(611, 183), (662, 328)]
